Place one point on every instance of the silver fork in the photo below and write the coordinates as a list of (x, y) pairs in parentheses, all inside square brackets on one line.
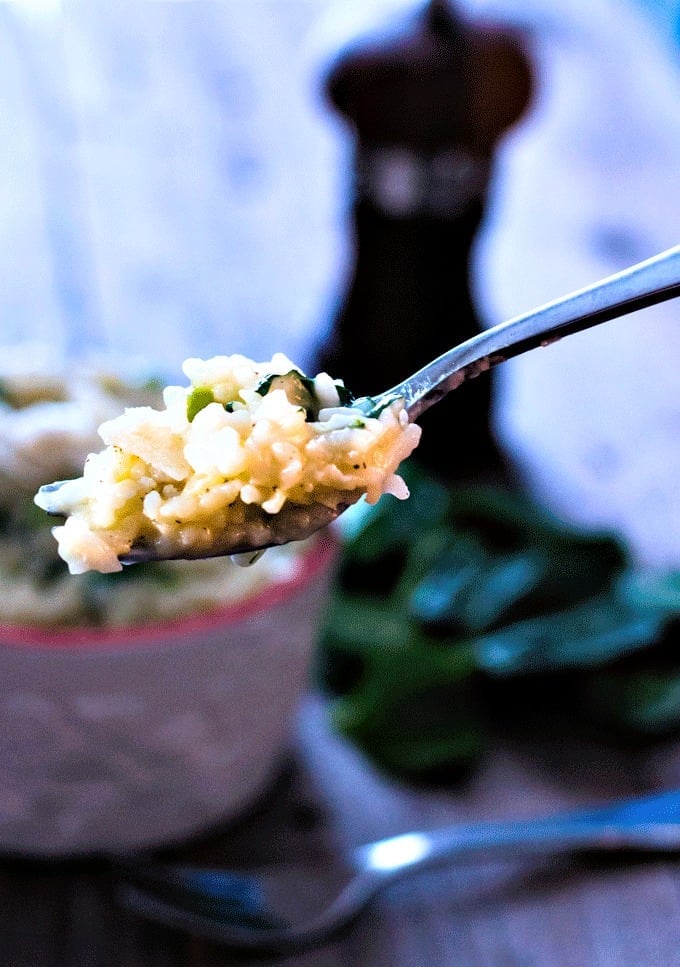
[(288, 907)]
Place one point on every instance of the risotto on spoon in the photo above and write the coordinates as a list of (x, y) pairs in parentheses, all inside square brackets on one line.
[(247, 456)]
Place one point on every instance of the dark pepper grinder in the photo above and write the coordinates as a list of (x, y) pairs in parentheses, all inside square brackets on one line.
[(427, 106)]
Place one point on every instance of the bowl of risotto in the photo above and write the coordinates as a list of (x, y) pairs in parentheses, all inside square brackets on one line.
[(141, 707)]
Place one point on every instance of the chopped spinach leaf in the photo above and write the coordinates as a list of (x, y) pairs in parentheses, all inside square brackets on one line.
[(345, 395), (470, 609), (298, 388)]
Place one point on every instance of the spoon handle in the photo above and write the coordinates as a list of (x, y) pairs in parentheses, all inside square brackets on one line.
[(649, 823), (655, 280)]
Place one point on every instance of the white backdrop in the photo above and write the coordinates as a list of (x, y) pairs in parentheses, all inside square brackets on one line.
[(589, 184)]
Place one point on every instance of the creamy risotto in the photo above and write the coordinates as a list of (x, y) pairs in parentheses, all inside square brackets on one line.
[(247, 455), (49, 420)]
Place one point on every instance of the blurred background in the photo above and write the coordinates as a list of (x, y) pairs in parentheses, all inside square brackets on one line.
[(177, 182), (361, 184)]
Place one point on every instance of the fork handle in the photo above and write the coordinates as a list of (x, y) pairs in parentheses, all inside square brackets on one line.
[(645, 284), (649, 823)]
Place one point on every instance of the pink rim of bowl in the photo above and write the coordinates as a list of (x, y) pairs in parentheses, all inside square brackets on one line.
[(92, 637)]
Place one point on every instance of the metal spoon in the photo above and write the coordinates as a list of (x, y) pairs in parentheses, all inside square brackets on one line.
[(647, 283), (289, 907)]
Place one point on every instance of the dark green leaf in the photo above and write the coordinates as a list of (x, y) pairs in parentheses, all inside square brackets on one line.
[(646, 702), (299, 389), (590, 634), (345, 396), (480, 585)]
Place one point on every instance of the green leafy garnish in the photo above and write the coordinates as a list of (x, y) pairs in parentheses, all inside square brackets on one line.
[(298, 388), (466, 609), (345, 396), (198, 399)]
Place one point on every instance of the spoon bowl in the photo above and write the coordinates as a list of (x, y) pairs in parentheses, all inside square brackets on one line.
[(293, 522)]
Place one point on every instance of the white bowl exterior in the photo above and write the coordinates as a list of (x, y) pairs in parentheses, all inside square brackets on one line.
[(120, 749)]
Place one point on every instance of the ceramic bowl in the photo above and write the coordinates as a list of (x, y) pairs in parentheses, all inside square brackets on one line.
[(119, 740)]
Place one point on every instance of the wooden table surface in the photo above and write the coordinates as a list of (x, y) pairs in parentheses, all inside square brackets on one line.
[(622, 911)]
